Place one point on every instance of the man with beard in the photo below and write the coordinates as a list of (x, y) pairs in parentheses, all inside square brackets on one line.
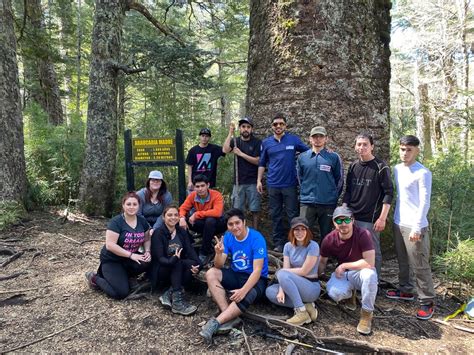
[(247, 151), (353, 249), (279, 153)]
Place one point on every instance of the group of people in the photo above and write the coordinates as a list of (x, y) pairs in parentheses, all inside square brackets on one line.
[(151, 233)]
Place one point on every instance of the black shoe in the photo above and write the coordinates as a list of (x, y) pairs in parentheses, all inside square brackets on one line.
[(90, 277), (179, 304), (165, 298), (209, 329)]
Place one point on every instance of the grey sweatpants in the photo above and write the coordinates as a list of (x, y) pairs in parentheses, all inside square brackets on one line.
[(298, 290), (364, 280)]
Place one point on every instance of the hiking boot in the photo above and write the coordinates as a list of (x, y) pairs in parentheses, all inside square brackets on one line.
[(399, 295), (425, 311), (209, 329), (351, 303), (312, 311), (91, 276), (165, 298), (226, 327), (300, 318), (365, 322), (179, 304)]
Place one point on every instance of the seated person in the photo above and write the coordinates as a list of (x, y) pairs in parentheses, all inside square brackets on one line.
[(353, 248), (154, 197), (298, 285), (174, 260), (120, 258), (245, 280), (206, 207)]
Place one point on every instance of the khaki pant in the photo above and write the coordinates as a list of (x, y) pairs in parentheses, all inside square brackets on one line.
[(414, 264)]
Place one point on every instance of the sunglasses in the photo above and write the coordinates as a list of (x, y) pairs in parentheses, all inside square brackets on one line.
[(346, 220), (275, 124)]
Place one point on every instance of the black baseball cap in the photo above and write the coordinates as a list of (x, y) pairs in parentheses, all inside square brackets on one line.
[(205, 131), (245, 120)]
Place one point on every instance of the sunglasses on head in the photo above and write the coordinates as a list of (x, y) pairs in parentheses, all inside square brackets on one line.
[(346, 220)]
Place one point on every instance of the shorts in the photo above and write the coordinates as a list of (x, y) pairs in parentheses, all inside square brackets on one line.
[(246, 194), (232, 280)]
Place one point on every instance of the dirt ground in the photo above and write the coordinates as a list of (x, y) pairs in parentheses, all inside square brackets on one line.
[(49, 308)]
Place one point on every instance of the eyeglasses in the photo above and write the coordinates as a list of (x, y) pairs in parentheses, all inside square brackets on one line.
[(275, 124), (346, 220)]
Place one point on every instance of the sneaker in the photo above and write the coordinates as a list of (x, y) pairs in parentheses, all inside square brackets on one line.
[(90, 276), (165, 298), (365, 322), (179, 304), (425, 311), (399, 295), (226, 327), (300, 318), (209, 329), (312, 311)]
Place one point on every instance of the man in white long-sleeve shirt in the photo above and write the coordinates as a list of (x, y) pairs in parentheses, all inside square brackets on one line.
[(412, 242)]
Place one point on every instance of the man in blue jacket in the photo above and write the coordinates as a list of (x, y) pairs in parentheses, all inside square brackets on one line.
[(279, 153), (321, 178)]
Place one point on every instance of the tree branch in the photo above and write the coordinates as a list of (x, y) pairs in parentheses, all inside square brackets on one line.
[(126, 69), (133, 5)]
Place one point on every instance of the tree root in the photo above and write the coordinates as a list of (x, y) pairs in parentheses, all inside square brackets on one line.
[(12, 258), (354, 345)]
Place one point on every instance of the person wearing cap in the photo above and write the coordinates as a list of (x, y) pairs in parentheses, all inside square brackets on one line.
[(410, 230), (202, 159), (279, 154), (298, 285), (247, 152), (154, 198), (369, 191), (353, 248), (321, 175)]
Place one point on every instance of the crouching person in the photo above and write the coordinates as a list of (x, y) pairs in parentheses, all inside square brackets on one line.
[(245, 281), (298, 285), (353, 248), (173, 260)]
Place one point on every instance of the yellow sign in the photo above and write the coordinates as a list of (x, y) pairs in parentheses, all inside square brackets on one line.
[(153, 149)]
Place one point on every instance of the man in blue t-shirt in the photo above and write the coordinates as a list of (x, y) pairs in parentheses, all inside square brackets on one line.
[(279, 153), (245, 281)]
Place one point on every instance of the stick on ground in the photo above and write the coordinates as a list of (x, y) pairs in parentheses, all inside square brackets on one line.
[(52, 334)]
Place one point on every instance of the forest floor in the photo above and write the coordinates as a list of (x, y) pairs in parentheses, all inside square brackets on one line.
[(49, 308)]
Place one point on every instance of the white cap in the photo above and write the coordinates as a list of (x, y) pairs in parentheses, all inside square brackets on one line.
[(155, 174)]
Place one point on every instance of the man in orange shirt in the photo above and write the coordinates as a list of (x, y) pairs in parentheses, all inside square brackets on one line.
[(202, 212)]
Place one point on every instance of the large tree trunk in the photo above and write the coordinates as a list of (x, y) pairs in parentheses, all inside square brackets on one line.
[(43, 83), (12, 157), (98, 175), (324, 63)]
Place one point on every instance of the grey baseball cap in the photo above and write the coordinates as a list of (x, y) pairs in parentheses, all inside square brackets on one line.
[(342, 211), (319, 130), (155, 174), (299, 221)]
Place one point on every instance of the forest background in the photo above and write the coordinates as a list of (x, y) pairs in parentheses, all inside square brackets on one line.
[(192, 72)]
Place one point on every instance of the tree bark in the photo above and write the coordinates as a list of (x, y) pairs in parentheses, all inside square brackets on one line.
[(98, 175), (422, 113), (12, 156), (44, 87), (323, 63)]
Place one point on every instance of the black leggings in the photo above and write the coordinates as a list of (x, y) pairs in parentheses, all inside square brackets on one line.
[(112, 276), (179, 274)]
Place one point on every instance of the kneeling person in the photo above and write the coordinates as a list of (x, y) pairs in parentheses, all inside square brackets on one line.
[(246, 280), (353, 248)]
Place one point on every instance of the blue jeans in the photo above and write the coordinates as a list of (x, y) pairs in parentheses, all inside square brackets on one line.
[(279, 199)]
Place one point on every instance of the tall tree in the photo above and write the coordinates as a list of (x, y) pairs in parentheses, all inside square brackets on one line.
[(324, 63), (12, 156), (98, 174), (43, 86)]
